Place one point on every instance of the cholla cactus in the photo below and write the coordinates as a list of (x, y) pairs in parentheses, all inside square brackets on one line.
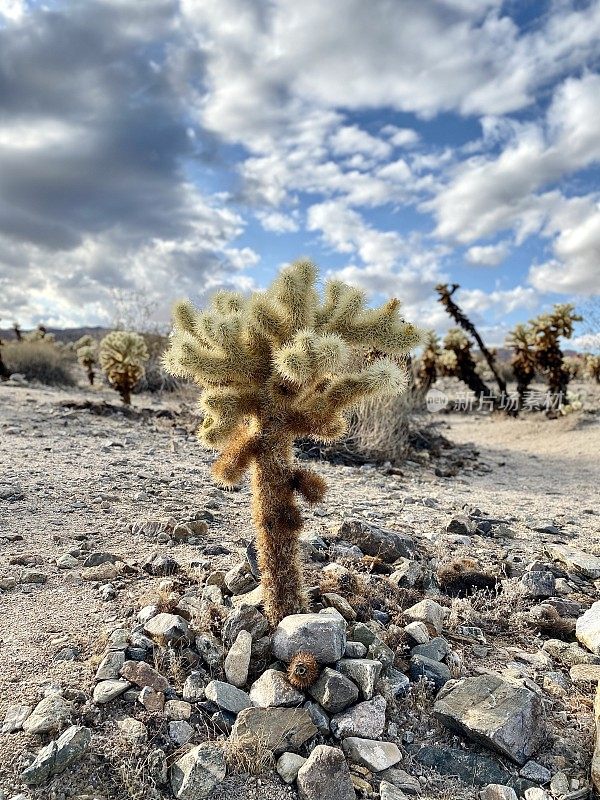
[(86, 355), (457, 360), (521, 339), (592, 367), (4, 371), (575, 366), (428, 363), (17, 330), (41, 332), (548, 330), (122, 357), (274, 367)]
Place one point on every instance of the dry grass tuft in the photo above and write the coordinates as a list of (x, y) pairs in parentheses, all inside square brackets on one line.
[(40, 361), (248, 754), (546, 620), (463, 576)]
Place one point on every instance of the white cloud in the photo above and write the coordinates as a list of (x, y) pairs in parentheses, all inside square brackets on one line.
[(276, 222), (401, 137), (588, 343), (488, 255), (12, 10), (351, 139)]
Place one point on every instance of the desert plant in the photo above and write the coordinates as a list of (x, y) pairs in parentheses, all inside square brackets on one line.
[(39, 361), (122, 356), (86, 355), (36, 335), (548, 329), (592, 367), (575, 366), (274, 367), (457, 360), (17, 330), (4, 371), (426, 367), (521, 339)]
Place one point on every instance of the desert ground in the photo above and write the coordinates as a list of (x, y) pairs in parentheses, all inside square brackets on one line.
[(74, 482)]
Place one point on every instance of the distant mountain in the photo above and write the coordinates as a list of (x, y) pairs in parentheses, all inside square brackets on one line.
[(61, 334)]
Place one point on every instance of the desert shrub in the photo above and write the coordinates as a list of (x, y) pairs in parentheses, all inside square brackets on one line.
[(592, 367), (87, 357), (41, 361), (122, 357), (379, 429)]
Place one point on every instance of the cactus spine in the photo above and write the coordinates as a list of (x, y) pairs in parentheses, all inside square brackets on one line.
[(122, 356), (273, 367)]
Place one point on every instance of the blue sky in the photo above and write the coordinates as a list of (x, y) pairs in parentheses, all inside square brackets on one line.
[(170, 147)]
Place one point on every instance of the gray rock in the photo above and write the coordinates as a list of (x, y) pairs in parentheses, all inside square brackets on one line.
[(401, 780), (538, 583), (226, 696), (274, 689), (575, 560), (418, 632), (395, 682), (407, 574), (167, 628), (253, 598), (193, 688), (379, 651), (340, 604), (387, 791), (14, 718), (535, 793), (373, 755), (177, 710), (569, 653), (585, 673), (318, 716), (363, 633), (323, 635), (142, 674), (374, 541), (364, 672), (66, 561), (110, 666), (588, 628), (334, 691), (494, 712), (436, 649), (365, 719), (237, 661), (535, 772), (152, 700), (180, 732), (198, 772), (58, 755), (133, 729), (428, 612), (473, 769), (278, 729), (239, 579), (325, 775), (559, 785), (245, 618), (435, 671), (496, 791), (355, 650), (49, 715), (210, 650), (157, 766), (461, 526), (105, 691), (288, 765)]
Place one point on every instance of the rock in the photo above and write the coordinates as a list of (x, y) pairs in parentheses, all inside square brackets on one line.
[(496, 791), (374, 541), (595, 768), (161, 565), (325, 775), (538, 583), (555, 683), (14, 718), (473, 769), (245, 618), (193, 688), (237, 661), (103, 573), (185, 530), (58, 755), (535, 772), (157, 766), (177, 710), (108, 690), (226, 696), (559, 785), (253, 598), (587, 629), (210, 649), (167, 628), (273, 689), (418, 632), (401, 780), (198, 772), (110, 666), (435, 671), (407, 574), (288, 765), (387, 791), (428, 612), (239, 579), (133, 729), (461, 526), (66, 561), (494, 712), (365, 719), (143, 674), (534, 793), (334, 691), (318, 716), (375, 756), (575, 560), (364, 672), (49, 715), (152, 700), (379, 651), (340, 604), (569, 653), (278, 729), (322, 635), (585, 673), (363, 633), (436, 649), (355, 650), (180, 732), (396, 682)]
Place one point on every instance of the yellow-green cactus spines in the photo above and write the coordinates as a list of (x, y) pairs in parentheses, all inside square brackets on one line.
[(273, 367), (122, 356)]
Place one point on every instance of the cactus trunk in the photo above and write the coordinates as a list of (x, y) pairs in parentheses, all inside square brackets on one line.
[(278, 524)]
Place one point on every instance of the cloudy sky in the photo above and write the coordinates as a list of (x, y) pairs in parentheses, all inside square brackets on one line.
[(167, 147)]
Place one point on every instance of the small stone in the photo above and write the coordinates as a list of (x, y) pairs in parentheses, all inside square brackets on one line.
[(318, 716), (228, 697), (575, 560), (198, 772), (273, 689), (166, 628), (14, 718), (110, 666), (379, 651), (96, 558), (364, 672), (180, 732), (133, 729), (320, 634), (397, 682), (428, 612), (237, 661), (278, 729), (49, 715), (288, 765), (334, 691), (374, 541), (239, 579), (406, 574), (245, 618), (143, 674), (587, 629), (253, 598), (569, 653), (401, 780), (108, 690), (355, 650), (152, 700), (365, 719), (340, 604), (156, 763), (67, 561), (210, 650), (325, 774), (103, 573), (387, 791), (535, 772), (534, 793), (435, 671), (461, 526), (161, 566), (585, 673), (375, 756), (436, 649), (177, 710), (538, 583), (496, 791), (418, 632), (559, 785), (193, 688)]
